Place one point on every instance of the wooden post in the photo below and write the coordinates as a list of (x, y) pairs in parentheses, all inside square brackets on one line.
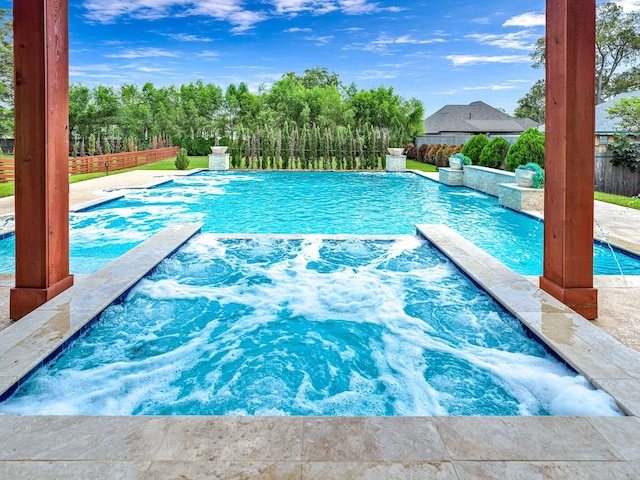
[(41, 57), (569, 155)]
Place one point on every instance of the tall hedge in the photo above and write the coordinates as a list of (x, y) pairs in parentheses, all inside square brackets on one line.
[(529, 147), (473, 148), (494, 153)]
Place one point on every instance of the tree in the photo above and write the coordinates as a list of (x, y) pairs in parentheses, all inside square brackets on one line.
[(529, 147), (628, 111), (617, 45), (6, 73), (532, 104), (494, 153), (473, 148)]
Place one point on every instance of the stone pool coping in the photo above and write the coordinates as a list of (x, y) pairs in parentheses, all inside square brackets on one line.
[(327, 447)]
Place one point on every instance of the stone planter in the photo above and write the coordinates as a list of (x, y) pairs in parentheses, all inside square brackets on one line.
[(219, 160), (524, 177), (219, 150), (396, 162), (455, 163)]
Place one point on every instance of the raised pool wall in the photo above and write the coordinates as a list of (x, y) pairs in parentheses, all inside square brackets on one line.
[(498, 183)]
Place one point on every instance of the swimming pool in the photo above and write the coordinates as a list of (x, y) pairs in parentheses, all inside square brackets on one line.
[(310, 326), (312, 202)]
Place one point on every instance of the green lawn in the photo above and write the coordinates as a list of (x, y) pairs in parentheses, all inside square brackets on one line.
[(631, 202), (424, 167)]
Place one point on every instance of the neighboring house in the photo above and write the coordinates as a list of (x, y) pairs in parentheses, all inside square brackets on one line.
[(455, 124), (606, 126)]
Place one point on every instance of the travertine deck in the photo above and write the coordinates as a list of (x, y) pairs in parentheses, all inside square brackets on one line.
[(344, 447)]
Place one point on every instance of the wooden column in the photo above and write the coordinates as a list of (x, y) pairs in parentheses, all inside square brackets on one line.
[(569, 155), (41, 57)]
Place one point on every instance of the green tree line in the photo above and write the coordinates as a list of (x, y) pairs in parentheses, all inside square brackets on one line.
[(197, 115)]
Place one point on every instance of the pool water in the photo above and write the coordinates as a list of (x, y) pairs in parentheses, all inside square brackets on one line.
[(307, 327), (320, 202)]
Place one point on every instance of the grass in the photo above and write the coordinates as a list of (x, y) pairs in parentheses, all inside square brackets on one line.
[(423, 167), (630, 202)]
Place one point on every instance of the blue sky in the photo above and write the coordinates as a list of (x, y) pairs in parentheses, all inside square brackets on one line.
[(441, 52)]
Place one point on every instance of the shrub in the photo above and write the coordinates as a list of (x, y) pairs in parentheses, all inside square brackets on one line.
[(442, 159), (182, 160), (431, 153), (494, 153), (528, 148), (626, 152), (474, 146), (422, 152), (411, 151)]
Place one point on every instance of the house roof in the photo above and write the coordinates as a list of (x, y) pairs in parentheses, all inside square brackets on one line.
[(605, 123), (477, 117)]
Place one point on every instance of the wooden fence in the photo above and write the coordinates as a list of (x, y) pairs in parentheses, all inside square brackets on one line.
[(100, 163), (612, 179)]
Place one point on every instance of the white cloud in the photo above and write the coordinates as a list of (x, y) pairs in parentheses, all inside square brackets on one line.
[(481, 20), (235, 12), (230, 11), (209, 54), (142, 53), (522, 40), (508, 85), (297, 30), (357, 7), (629, 5), (153, 69), (460, 60), (377, 74), (324, 40), (527, 20), (186, 37)]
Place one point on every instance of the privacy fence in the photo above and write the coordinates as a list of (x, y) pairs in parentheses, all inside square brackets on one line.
[(100, 163), (617, 180)]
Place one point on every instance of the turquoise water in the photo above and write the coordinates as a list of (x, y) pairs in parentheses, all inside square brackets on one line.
[(307, 327), (322, 202)]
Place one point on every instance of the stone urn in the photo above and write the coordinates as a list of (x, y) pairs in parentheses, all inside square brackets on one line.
[(395, 152), (524, 177), (219, 150), (455, 163)]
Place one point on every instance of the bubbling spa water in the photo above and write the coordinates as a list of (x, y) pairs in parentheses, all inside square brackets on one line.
[(307, 327)]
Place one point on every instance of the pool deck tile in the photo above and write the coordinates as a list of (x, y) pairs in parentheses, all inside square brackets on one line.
[(621, 433), (62, 470), (524, 439), (544, 470), (260, 439), (379, 470)]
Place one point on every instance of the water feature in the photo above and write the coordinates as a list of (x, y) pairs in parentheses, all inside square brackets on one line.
[(307, 327)]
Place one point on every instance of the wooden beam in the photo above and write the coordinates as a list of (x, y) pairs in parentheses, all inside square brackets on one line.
[(41, 57), (569, 155)]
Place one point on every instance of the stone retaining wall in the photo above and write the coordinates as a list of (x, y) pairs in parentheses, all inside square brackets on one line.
[(497, 183)]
